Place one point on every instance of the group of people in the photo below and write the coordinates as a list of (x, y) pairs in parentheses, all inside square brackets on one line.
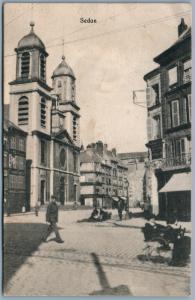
[(97, 215)]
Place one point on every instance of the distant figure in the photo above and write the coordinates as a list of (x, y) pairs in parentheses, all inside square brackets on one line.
[(75, 205), (120, 209), (52, 218), (95, 214), (37, 207), (104, 215)]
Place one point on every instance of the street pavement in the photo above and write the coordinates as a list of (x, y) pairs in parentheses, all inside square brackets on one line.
[(95, 259)]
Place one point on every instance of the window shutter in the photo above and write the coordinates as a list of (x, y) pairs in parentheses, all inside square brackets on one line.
[(150, 128), (175, 113), (150, 96), (183, 113), (168, 116), (187, 64), (189, 107)]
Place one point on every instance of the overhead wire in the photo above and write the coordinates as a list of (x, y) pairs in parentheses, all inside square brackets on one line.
[(89, 26), (151, 22)]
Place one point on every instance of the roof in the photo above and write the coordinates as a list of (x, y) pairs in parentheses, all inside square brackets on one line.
[(185, 35), (132, 155), (63, 69), (178, 183), (63, 136), (8, 124), (152, 73), (6, 111), (31, 40), (89, 156)]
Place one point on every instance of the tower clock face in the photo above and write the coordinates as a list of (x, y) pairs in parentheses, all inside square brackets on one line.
[(62, 157)]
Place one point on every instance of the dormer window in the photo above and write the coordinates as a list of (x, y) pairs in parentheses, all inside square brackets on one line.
[(42, 66), (187, 71), (25, 65)]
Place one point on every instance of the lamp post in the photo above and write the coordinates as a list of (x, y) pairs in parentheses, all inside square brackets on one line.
[(127, 207)]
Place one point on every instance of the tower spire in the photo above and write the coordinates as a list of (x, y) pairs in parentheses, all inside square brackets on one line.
[(32, 24), (63, 56)]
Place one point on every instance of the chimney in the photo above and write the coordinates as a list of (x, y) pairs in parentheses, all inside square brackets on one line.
[(99, 148), (182, 27)]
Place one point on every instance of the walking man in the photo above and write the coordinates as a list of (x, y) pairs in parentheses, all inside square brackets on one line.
[(52, 218), (120, 209)]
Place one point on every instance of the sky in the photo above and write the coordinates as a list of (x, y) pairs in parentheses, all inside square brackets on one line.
[(109, 58)]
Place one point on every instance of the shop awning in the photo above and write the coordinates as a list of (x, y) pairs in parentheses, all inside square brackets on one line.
[(115, 199), (178, 183)]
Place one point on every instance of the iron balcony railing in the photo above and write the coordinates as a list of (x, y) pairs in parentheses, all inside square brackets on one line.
[(183, 160)]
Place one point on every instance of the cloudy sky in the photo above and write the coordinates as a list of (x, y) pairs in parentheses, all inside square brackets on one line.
[(109, 58)]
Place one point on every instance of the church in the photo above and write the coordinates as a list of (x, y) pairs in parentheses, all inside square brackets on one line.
[(50, 118)]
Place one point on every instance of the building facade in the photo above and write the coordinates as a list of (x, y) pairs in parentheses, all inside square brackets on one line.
[(16, 198), (50, 117), (169, 129), (103, 176), (135, 162)]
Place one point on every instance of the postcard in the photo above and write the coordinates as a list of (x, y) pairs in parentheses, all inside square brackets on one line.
[(97, 149)]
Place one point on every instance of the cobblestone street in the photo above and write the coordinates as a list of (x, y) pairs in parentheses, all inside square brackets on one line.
[(96, 258)]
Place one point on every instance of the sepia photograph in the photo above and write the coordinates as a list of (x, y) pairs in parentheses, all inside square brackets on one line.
[(96, 149)]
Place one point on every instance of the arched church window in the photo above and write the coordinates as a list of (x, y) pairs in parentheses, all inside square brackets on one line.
[(75, 162), (73, 90), (42, 66), (62, 157), (25, 65), (43, 112), (59, 83), (23, 111), (74, 125)]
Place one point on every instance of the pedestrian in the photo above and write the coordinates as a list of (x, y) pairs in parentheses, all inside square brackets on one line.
[(120, 209), (52, 218), (37, 207)]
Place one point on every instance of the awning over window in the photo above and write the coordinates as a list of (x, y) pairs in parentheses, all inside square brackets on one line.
[(178, 183), (115, 199)]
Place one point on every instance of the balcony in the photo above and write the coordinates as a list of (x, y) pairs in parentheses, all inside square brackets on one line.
[(156, 147), (177, 162)]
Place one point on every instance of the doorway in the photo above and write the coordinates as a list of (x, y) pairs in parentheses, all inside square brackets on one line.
[(43, 192), (62, 190), (75, 192)]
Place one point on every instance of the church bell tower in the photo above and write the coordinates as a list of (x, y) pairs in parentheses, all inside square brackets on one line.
[(30, 95), (63, 83)]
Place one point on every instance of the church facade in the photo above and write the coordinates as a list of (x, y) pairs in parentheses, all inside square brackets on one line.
[(50, 117)]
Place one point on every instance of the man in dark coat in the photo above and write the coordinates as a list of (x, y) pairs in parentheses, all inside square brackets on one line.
[(52, 218), (120, 209)]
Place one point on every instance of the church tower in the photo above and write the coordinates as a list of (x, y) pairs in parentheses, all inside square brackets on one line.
[(30, 95), (63, 83), (30, 109)]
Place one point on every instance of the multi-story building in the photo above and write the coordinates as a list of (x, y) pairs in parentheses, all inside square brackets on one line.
[(16, 198), (135, 162), (50, 117), (169, 129), (103, 176)]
